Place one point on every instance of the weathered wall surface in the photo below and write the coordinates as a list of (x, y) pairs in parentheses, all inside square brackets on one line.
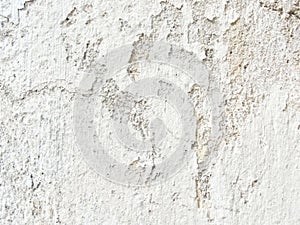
[(252, 49)]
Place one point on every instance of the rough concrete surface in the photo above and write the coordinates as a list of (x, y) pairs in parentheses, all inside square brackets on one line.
[(252, 50)]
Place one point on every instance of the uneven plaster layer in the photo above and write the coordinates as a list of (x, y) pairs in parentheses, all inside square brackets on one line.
[(252, 50)]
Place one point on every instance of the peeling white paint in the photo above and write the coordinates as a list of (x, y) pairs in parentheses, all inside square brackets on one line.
[(252, 51)]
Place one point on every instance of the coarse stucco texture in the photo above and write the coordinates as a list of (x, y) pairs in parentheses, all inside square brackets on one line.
[(252, 52)]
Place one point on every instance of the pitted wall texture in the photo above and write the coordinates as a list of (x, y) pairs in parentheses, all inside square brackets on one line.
[(252, 50)]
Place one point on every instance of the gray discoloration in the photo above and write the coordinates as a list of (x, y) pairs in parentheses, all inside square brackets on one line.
[(252, 51)]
